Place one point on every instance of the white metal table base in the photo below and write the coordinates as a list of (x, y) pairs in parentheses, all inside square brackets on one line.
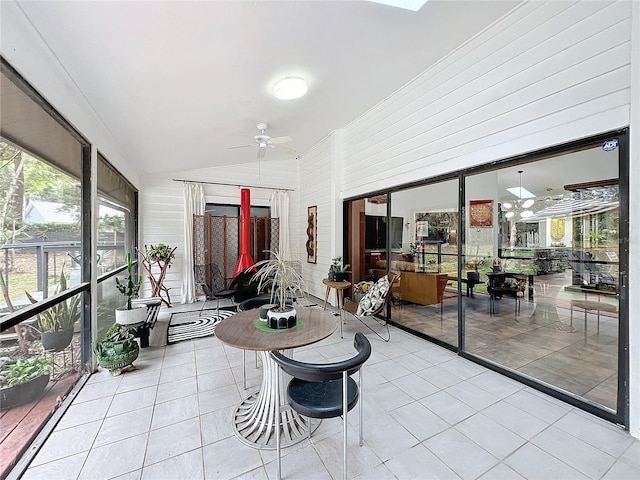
[(254, 419)]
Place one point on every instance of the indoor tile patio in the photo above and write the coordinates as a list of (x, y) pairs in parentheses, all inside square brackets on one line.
[(428, 414)]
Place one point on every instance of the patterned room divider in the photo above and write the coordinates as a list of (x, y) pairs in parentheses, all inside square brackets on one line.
[(216, 241)]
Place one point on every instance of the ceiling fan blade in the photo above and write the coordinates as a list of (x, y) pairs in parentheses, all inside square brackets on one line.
[(288, 150), (241, 146), (285, 139)]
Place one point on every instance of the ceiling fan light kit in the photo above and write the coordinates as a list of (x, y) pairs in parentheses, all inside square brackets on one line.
[(290, 88), (264, 141)]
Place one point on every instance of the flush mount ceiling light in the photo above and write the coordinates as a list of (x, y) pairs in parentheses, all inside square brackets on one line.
[(290, 88)]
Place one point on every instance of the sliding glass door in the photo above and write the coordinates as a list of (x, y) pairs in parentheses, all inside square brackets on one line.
[(547, 257), (526, 276), (425, 253)]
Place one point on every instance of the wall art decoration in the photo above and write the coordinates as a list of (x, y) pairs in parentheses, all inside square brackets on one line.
[(481, 213), (436, 227), (312, 234), (557, 229), (422, 229)]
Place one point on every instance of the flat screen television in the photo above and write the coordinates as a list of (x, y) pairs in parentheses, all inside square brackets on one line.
[(375, 237)]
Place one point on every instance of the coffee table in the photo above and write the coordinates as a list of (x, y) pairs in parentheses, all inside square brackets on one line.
[(254, 420)]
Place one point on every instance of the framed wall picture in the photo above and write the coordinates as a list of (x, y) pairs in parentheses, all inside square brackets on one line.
[(312, 234), (422, 229), (481, 213)]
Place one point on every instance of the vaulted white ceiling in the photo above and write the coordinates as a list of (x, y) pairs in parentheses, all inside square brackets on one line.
[(178, 82)]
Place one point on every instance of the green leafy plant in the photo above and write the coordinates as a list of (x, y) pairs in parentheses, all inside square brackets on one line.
[(282, 276), (61, 316), (130, 287), (337, 265), (24, 370), (117, 333), (160, 253)]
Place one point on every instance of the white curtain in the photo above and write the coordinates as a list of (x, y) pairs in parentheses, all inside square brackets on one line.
[(193, 205), (280, 209)]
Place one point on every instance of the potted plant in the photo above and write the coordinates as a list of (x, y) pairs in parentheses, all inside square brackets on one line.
[(156, 260), (285, 282), (23, 381), (337, 270), (497, 264), (56, 323), (161, 253), (117, 350), (130, 314)]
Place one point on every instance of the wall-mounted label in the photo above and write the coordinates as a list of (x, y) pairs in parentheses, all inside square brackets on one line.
[(610, 145)]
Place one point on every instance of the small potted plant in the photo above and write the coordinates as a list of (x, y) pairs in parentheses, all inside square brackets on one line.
[(497, 264), (161, 253), (130, 314), (285, 282), (23, 381), (117, 350), (337, 270), (57, 322), (156, 260), (413, 250)]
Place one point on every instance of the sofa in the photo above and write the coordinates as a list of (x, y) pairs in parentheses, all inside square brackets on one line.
[(421, 288)]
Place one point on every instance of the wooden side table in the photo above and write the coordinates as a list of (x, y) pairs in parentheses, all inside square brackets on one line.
[(339, 288)]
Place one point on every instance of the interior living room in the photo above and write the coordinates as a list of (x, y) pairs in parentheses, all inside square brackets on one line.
[(478, 157)]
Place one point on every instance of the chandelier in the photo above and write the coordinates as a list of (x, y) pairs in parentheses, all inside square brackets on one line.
[(523, 204)]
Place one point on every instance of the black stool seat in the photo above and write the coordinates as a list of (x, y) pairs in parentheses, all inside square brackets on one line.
[(321, 399)]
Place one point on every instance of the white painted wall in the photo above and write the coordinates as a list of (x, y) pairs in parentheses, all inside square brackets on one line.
[(162, 205), (545, 74), (319, 184)]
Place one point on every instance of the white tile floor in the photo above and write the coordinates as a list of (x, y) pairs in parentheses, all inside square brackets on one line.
[(428, 414)]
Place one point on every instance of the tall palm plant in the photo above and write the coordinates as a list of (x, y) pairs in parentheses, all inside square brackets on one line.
[(282, 276)]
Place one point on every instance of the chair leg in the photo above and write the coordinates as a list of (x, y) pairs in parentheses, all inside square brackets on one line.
[(360, 407), (585, 325), (344, 424), (571, 317), (386, 324), (277, 427)]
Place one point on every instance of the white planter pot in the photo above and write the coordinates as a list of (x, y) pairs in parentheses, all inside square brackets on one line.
[(264, 311), (279, 320), (137, 314)]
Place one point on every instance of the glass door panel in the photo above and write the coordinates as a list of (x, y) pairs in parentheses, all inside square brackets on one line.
[(543, 239), (426, 255), (367, 249)]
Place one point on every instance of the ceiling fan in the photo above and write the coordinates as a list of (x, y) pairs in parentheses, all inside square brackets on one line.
[(264, 141)]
